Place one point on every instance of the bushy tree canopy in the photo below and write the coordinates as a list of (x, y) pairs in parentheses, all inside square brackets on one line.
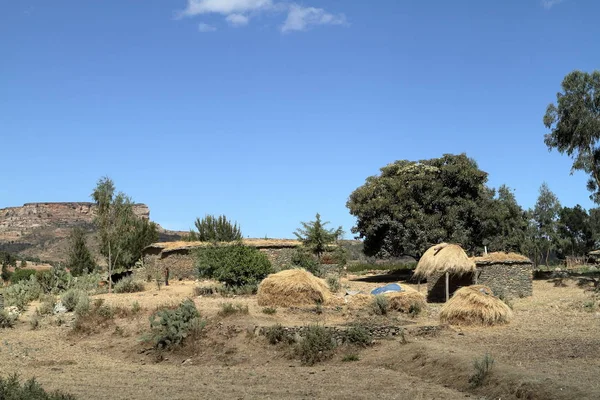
[(215, 229), (315, 237), (80, 260)]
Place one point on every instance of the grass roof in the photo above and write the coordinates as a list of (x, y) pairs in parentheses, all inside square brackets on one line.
[(444, 258), (263, 243), (502, 258)]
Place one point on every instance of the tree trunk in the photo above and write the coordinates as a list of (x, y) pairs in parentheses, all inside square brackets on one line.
[(109, 270)]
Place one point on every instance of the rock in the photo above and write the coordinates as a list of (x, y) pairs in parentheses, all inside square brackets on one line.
[(13, 311), (59, 308), (186, 362)]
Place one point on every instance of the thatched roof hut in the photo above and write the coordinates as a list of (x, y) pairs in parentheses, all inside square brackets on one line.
[(444, 258), (475, 305)]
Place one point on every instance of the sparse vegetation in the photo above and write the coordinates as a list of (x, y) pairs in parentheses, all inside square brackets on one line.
[(170, 328), (228, 309), (129, 285), (269, 310), (21, 275), (277, 334), (358, 335), (34, 321), (11, 389), (71, 297), (317, 345), (380, 305), (483, 367), (92, 318), (6, 320), (351, 357), (215, 229), (334, 283), (47, 305)]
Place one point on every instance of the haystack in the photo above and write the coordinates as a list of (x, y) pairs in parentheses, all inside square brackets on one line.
[(475, 305), (292, 288), (405, 301)]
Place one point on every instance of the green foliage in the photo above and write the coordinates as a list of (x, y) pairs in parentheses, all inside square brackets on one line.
[(483, 367), (215, 229), (574, 122), (317, 345), (543, 236), (358, 335), (412, 205), (576, 231), (55, 280), (228, 309), (71, 298), (380, 305), (276, 334), (47, 305), (6, 321), (334, 283), (351, 357), (22, 293), (135, 307), (170, 328), (89, 318), (315, 237), (21, 274), (6, 274), (234, 265), (11, 389), (269, 310), (129, 285), (302, 258), (123, 235), (80, 259)]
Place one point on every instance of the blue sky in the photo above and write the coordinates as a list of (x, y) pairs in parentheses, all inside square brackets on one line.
[(270, 111)]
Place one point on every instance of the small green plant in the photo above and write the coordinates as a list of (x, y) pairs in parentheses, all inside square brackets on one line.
[(319, 307), (228, 309), (22, 293), (129, 285), (302, 258), (317, 345), (277, 334), (589, 306), (34, 322), (483, 367), (171, 327), (47, 305), (269, 310), (233, 264), (380, 305), (71, 298), (351, 357), (334, 283), (358, 335), (415, 309), (136, 308), (11, 388), (6, 320)]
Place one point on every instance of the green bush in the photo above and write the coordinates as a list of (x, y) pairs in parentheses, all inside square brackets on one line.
[(129, 285), (234, 265), (6, 321), (317, 345), (302, 258), (380, 305), (54, 280), (22, 293), (334, 283), (11, 389), (71, 298), (21, 275), (90, 318), (47, 306), (483, 367), (170, 328), (277, 334), (358, 335)]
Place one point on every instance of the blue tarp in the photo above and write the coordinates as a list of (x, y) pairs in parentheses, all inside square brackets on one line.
[(392, 287)]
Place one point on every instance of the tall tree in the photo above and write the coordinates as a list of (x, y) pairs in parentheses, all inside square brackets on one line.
[(215, 229), (545, 215), (413, 205), (504, 222), (575, 231), (315, 237), (575, 125), (123, 235), (80, 260)]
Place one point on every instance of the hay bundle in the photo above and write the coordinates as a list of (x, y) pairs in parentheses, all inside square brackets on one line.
[(292, 287), (475, 305), (407, 301)]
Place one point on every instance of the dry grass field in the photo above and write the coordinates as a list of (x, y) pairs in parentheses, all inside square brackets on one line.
[(551, 350)]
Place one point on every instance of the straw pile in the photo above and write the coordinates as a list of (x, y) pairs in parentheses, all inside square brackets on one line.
[(444, 258), (405, 301), (475, 305), (292, 288), (502, 258)]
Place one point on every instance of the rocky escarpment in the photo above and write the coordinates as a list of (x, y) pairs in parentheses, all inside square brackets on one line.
[(41, 229)]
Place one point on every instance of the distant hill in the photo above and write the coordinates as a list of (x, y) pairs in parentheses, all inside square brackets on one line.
[(41, 230)]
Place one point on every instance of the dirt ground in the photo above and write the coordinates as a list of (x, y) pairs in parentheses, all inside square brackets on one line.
[(551, 350)]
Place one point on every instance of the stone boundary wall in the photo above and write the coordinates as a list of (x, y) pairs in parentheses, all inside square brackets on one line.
[(507, 280)]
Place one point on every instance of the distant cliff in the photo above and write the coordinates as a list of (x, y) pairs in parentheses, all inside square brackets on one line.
[(41, 229)]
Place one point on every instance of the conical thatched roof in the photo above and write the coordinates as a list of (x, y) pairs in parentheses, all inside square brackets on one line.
[(444, 258)]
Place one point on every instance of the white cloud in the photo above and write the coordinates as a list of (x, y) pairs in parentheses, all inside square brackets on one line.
[(202, 27), (299, 18), (548, 4), (238, 13), (237, 19)]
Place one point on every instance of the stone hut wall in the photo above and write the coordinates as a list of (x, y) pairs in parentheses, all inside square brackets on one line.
[(510, 280)]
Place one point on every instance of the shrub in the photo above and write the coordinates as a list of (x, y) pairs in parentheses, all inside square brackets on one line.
[(334, 283), (47, 306), (11, 388), (358, 335), (317, 345), (129, 285), (483, 367), (170, 328), (34, 321), (21, 274), (380, 305), (215, 229), (277, 334), (87, 283), (302, 258), (54, 280), (229, 309), (269, 310), (243, 290), (88, 319), (234, 265), (351, 357), (71, 298), (6, 321), (22, 293), (136, 308)]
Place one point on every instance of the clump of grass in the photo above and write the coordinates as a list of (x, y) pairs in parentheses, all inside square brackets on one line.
[(129, 285), (205, 290), (590, 306), (277, 334), (317, 345), (89, 319), (334, 283), (12, 389), (47, 305), (483, 367), (269, 310), (358, 335), (71, 297), (228, 309), (240, 290), (34, 322), (380, 305), (351, 357), (135, 308), (415, 309), (6, 320), (319, 307), (170, 328)]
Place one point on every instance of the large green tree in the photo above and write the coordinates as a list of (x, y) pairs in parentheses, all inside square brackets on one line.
[(574, 122), (413, 205), (545, 214), (575, 232), (215, 229), (80, 260), (316, 237), (123, 234), (504, 222)]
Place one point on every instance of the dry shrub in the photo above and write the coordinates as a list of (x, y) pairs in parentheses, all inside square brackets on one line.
[(475, 305), (292, 287)]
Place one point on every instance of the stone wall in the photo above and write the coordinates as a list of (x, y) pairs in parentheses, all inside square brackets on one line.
[(339, 333), (510, 280)]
